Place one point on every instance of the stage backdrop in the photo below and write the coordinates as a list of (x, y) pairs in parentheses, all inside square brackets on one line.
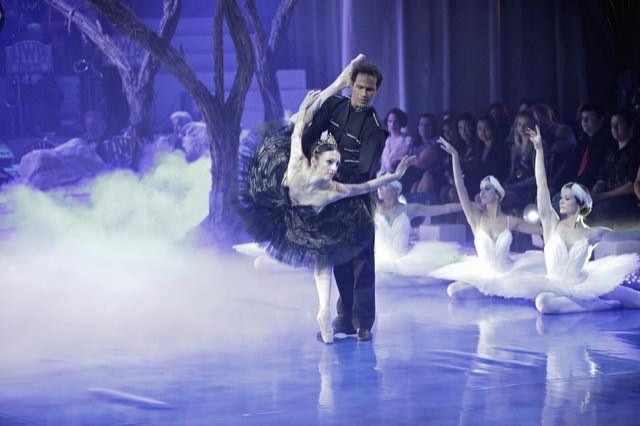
[(465, 54)]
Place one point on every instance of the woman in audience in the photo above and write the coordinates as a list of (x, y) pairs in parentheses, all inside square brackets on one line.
[(492, 155), (398, 144), (521, 185), (467, 148), (425, 177)]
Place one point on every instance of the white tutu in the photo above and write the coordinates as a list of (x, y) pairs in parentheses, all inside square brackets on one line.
[(395, 255), (570, 273), (494, 272)]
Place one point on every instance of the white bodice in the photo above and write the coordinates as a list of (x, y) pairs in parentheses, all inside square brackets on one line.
[(564, 263), (392, 239), (494, 253)]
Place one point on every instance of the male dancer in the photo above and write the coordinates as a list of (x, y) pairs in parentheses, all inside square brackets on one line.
[(360, 136)]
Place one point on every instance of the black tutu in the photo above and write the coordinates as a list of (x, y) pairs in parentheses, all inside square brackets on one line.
[(296, 235)]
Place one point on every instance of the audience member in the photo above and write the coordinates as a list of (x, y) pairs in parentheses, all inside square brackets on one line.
[(594, 142), (179, 120), (521, 184), (95, 133), (492, 156), (501, 120), (425, 177), (526, 104), (560, 144), (195, 141), (466, 125), (398, 144), (613, 193)]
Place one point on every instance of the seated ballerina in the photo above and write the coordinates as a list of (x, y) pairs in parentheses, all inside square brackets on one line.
[(292, 205), (492, 272), (394, 251), (572, 282)]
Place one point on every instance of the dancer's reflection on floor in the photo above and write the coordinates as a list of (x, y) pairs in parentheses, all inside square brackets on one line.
[(579, 354), (499, 366), (583, 356), (349, 377)]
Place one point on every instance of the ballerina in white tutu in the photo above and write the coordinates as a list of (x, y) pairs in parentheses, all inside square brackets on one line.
[(395, 251), (572, 282), (493, 272)]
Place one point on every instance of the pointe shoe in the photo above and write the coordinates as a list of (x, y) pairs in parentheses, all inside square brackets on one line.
[(324, 321)]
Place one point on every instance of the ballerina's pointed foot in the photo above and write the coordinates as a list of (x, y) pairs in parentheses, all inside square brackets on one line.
[(324, 321)]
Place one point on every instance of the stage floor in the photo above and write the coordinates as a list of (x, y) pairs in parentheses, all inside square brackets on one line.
[(202, 342)]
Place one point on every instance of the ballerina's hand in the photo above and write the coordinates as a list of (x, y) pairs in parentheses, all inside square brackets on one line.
[(344, 79), (404, 165), (534, 137), (446, 146), (309, 100)]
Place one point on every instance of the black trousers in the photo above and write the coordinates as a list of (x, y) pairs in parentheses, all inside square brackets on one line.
[(356, 283)]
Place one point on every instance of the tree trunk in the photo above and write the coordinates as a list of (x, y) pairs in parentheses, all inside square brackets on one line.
[(222, 119), (223, 219), (269, 88)]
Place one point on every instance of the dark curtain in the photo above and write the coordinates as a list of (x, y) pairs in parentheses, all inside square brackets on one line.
[(466, 54)]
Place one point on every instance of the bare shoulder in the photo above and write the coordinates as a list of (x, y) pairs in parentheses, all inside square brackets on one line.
[(514, 221), (597, 233)]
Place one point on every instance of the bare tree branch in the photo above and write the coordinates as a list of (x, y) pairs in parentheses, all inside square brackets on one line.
[(280, 24), (244, 54), (266, 55), (129, 24), (166, 31), (260, 41)]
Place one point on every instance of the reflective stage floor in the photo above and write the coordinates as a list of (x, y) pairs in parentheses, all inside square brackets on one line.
[(225, 344)]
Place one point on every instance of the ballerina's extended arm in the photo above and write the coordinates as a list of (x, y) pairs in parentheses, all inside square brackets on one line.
[(469, 209), (342, 190), (548, 216), (297, 156), (418, 210), (343, 81)]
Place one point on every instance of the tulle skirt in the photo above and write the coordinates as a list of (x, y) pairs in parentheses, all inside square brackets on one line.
[(293, 234)]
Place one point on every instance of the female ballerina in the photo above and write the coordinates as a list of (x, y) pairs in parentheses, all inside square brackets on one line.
[(289, 204), (395, 252), (492, 272), (573, 283)]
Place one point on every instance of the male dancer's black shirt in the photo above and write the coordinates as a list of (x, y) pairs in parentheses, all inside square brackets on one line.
[(359, 134)]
